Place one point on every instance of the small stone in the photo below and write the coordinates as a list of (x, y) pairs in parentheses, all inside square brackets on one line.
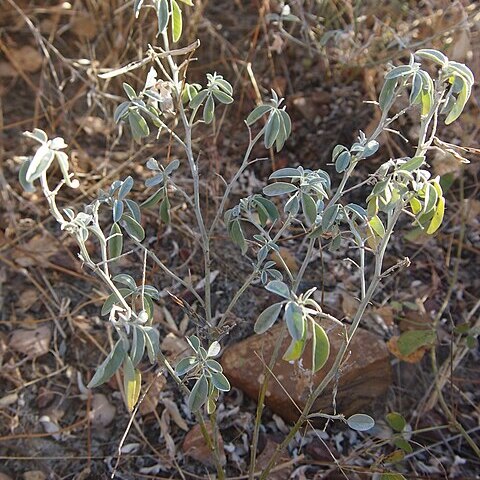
[(365, 373), (103, 412), (196, 447)]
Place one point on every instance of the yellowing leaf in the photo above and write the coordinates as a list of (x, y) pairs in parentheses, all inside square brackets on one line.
[(377, 226), (437, 217), (177, 22), (132, 390), (320, 348)]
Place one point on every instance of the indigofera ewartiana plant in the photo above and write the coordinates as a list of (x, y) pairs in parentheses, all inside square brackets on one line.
[(401, 185)]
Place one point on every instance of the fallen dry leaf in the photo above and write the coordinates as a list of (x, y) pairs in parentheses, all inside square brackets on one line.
[(266, 455), (386, 314), (349, 305), (174, 346), (27, 298), (414, 357), (33, 343), (37, 250), (84, 27), (288, 257), (196, 447), (150, 402)]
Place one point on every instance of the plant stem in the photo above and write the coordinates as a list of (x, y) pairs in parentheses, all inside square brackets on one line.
[(237, 296), (344, 347), (205, 240), (261, 401), (169, 272), (229, 187)]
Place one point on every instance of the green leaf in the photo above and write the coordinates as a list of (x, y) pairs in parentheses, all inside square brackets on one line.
[(413, 164), (370, 148), (162, 15), (403, 444), (153, 199), (329, 217), (462, 70), (416, 90), (427, 100), (392, 476), (380, 187), (279, 288), (185, 365), (165, 210), (113, 299), (121, 111), (126, 280), (267, 318), (39, 163), (198, 99), (152, 342), (400, 71), (272, 129), (109, 366), (387, 94), (396, 421), (257, 113), (320, 347), (287, 172), (222, 97), (433, 55), (269, 207), (134, 209), (279, 188), (377, 226), (138, 125), (137, 347), (220, 382), (459, 105), (115, 242), (22, 177), (237, 235), (361, 422), (309, 207), (295, 320), (177, 22), (213, 365), (117, 210), (296, 348), (125, 188), (209, 110), (131, 94), (412, 340), (194, 342), (343, 161), (287, 122), (198, 395), (133, 228), (437, 217)]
